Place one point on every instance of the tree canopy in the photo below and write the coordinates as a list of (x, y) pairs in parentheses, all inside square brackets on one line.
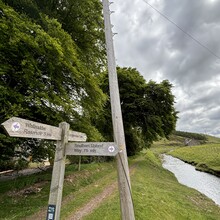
[(147, 108), (81, 19), (42, 76), (52, 58)]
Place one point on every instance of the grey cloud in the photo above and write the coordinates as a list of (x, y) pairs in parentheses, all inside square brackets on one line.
[(215, 114), (159, 50)]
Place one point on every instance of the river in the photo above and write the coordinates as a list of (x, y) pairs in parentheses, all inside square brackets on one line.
[(187, 175)]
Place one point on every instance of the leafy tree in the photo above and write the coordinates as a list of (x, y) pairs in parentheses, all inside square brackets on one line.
[(147, 108), (82, 19), (42, 77)]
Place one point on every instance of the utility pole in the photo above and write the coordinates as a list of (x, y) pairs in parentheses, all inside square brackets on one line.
[(127, 209)]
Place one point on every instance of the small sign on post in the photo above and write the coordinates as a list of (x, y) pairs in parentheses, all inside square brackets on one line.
[(51, 212), (18, 127), (92, 149)]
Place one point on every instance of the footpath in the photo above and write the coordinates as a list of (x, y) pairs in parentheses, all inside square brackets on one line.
[(87, 208)]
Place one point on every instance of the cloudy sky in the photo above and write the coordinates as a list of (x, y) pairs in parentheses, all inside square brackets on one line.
[(160, 50)]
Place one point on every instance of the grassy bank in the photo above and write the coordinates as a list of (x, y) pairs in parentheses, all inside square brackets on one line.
[(27, 195), (204, 157), (158, 195)]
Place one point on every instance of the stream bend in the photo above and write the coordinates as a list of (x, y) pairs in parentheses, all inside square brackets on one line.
[(186, 174)]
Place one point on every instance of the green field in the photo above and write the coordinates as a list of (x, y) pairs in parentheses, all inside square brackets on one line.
[(206, 157)]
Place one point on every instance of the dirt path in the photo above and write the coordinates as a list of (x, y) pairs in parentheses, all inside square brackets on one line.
[(94, 203), (88, 207)]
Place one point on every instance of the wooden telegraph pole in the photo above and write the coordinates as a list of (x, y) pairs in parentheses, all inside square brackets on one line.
[(127, 209)]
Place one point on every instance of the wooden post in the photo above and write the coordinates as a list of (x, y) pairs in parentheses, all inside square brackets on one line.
[(127, 210), (79, 165), (56, 188)]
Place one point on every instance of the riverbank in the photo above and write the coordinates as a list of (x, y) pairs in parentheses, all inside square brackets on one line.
[(156, 193), (205, 158), (187, 175)]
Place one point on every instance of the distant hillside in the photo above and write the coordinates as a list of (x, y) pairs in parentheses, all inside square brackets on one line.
[(180, 138), (195, 136), (212, 139)]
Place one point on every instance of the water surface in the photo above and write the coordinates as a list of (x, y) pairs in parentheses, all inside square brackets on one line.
[(187, 175)]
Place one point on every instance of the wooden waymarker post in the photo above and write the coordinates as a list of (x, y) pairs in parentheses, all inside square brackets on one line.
[(92, 149), (18, 127), (56, 188)]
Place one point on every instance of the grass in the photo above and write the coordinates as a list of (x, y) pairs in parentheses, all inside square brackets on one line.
[(156, 192), (17, 205), (85, 194), (212, 139), (158, 195), (205, 157)]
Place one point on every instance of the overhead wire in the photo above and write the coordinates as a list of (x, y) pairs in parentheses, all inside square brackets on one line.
[(181, 29)]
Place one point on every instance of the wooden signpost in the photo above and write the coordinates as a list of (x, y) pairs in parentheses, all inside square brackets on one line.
[(18, 127), (92, 149)]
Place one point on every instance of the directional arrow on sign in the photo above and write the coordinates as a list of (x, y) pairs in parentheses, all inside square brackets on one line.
[(92, 149), (18, 127)]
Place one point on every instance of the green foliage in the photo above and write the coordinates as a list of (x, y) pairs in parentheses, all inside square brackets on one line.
[(147, 109), (42, 77), (82, 19), (190, 135), (21, 164)]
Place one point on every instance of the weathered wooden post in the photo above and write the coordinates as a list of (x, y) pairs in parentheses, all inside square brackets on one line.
[(18, 127), (56, 188), (127, 209)]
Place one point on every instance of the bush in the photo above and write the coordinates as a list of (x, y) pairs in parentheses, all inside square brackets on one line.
[(21, 164), (6, 165)]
